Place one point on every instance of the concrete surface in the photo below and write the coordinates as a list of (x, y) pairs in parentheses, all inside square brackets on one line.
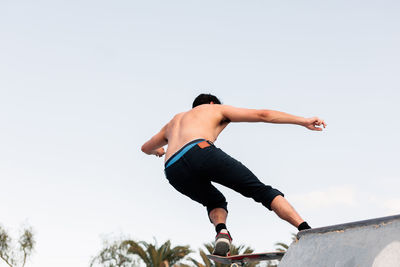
[(370, 243)]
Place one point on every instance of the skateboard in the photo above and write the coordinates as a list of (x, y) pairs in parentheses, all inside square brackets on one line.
[(239, 260)]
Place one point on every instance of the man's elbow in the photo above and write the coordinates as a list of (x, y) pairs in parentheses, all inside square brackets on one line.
[(264, 115), (145, 149)]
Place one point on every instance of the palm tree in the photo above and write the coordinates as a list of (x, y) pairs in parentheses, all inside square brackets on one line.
[(114, 255), (242, 249), (280, 246), (154, 256)]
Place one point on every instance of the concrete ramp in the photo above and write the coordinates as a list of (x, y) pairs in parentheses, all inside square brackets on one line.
[(370, 243)]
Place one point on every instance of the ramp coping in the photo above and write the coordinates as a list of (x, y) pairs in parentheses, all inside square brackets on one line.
[(340, 227)]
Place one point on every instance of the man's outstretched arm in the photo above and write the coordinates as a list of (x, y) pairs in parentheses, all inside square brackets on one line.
[(234, 114), (155, 145)]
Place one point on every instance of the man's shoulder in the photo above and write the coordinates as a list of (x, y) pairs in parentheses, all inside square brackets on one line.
[(210, 107), (214, 110), (180, 114)]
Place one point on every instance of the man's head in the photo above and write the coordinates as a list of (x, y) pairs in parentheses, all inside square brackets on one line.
[(205, 99)]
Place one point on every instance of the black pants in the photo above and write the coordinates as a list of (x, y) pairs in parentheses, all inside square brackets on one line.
[(193, 173)]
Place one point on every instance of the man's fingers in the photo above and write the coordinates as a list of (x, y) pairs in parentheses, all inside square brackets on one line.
[(316, 124), (315, 128), (321, 122)]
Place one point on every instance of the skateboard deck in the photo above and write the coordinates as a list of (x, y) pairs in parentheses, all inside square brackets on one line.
[(238, 260)]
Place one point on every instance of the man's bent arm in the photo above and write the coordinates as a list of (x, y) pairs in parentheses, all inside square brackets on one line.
[(155, 145)]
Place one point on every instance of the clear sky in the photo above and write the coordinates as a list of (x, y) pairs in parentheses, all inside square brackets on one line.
[(83, 84)]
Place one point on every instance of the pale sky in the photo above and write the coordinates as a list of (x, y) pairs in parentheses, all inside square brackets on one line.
[(83, 84)]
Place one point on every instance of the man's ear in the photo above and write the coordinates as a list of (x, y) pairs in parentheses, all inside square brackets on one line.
[(212, 102)]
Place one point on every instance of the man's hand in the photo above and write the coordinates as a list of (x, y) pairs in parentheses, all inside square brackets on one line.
[(155, 145), (314, 124), (159, 152)]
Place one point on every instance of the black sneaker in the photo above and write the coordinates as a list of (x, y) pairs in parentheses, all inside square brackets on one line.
[(222, 243)]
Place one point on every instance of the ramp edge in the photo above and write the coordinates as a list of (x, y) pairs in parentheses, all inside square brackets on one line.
[(341, 227)]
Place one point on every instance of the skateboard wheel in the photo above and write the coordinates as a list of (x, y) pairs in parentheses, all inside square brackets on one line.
[(235, 265)]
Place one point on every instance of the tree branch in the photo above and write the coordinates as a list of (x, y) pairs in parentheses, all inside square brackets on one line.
[(5, 259)]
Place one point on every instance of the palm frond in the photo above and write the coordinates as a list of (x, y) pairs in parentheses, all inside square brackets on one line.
[(136, 249)]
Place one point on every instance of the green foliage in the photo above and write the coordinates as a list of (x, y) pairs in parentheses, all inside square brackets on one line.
[(129, 253), (280, 246), (114, 255), (16, 254), (235, 250), (154, 256)]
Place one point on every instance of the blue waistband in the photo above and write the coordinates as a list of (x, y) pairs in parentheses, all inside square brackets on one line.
[(181, 152)]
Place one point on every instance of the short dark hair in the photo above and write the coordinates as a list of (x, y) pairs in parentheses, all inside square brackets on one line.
[(205, 99)]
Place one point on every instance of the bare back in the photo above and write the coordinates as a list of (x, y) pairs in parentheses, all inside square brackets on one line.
[(208, 120), (205, 121)]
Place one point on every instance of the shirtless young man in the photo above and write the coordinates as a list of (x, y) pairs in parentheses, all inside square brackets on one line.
[(192, 161)]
